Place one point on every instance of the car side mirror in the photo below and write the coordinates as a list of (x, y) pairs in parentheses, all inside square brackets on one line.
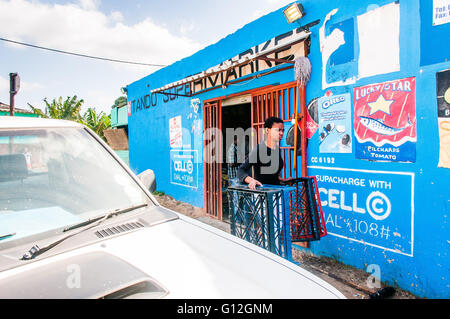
[(148, 179)]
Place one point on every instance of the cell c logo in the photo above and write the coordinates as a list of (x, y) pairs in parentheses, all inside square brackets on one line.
[(378, 206), (184, 167), (190, 167)]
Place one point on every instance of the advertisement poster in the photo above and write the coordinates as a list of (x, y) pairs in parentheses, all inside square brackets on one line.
[(335, 124), (385, 121), (441, 12), (175, 132), (184, 168), (374, 208), (443, 100), (311, 118), (311, 126)]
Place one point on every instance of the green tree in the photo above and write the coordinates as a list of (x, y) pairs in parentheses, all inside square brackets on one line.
[(68, 109), (120, 101), (98, 122)]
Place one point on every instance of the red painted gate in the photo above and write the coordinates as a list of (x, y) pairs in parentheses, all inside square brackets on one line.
[(270, 101), (280, 101), (212, 127), (276, 101)]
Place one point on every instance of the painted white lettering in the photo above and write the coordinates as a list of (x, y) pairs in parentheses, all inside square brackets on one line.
[(323, 190), (330, 220), (356, 209), (332, 198), (343, 206), (336, 221)]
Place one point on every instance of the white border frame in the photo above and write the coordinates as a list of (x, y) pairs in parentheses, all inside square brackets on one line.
[(195, 163), (412, 206)]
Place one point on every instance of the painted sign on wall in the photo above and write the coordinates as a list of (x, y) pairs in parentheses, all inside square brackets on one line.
[(443, 100), (434, 31), (335, 124), (175, 132), (374, 208), (378, 33), (184, 168), (385, 121), (218, 77), (441, 12)]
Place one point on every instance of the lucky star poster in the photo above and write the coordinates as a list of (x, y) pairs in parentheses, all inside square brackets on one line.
[(385, 121)]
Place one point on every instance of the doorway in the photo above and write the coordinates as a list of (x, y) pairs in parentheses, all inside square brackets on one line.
[(243, 111), (236, 120)]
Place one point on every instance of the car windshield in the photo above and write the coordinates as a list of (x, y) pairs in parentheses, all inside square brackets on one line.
[(56, 177)]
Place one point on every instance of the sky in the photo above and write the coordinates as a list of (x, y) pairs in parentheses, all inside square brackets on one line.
[(147, 31)]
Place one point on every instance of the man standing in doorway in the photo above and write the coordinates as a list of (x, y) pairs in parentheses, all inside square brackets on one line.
[(265, 159), (247, 146), (232, 159)]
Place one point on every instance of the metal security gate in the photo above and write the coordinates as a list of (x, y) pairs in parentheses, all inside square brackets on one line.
[(276, 101), (280, 101), (269, 101), (212, 128)]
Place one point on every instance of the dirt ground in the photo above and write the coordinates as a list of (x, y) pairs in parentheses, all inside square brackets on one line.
[(349, 281)]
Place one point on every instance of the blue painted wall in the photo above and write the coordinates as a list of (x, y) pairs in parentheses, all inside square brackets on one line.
[(410, 246)]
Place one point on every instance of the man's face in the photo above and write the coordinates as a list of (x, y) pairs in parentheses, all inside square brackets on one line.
[(276, 133)]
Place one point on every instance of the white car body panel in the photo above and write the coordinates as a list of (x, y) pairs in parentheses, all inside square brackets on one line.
[(190, 259), (31, 122), (196, 261)]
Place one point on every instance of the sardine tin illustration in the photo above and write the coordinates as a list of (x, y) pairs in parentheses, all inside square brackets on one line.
[(379, 127)]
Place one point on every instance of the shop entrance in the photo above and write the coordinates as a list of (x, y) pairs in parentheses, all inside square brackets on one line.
[(244, 111), (236, 122), (279, 101)]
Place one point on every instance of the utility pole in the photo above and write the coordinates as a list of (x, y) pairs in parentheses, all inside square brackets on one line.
[(14, 86)]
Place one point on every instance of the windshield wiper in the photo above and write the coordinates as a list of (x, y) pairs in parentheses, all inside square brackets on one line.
[(36, 250), (6, 236)]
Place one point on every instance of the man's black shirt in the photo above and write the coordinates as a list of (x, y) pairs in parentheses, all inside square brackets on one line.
[(267, 164)]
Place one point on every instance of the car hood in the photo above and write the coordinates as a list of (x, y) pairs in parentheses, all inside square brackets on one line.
[(181, 258)]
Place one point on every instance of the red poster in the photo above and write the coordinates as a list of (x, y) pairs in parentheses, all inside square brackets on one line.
[(385, 121), (311, 126)]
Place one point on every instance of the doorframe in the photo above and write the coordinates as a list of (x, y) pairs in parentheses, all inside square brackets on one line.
[(208, 202), (287, 106), (213, 188)]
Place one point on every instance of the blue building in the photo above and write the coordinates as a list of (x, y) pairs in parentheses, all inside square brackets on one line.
[(378, 126)]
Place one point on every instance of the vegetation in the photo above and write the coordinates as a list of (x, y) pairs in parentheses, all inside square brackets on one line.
[(59, 109), (120, 101), (98, 122), (70, 109)]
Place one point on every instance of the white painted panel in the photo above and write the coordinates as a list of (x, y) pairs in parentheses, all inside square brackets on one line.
[(379, 31), (328, 45), (441, 12)]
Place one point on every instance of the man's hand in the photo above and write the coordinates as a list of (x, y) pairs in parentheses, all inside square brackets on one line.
[(253, 183)]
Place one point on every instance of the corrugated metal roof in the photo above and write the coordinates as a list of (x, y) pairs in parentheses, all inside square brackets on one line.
[(5, 108)]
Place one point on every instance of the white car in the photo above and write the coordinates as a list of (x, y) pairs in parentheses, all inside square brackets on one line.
[(76, 222)]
